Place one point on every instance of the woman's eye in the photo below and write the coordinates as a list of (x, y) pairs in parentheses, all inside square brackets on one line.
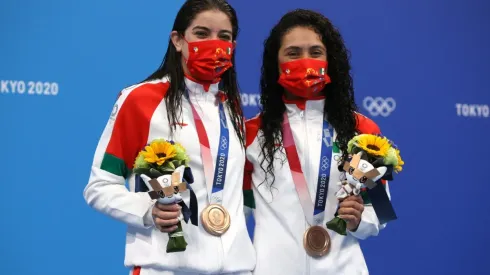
[(225, 37), (201, 34)]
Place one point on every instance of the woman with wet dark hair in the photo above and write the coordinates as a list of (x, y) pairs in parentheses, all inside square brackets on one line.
[(294, 146), (192, 98)]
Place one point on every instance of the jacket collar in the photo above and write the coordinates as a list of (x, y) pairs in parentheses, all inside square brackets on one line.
[(313, 106), (197, 89)]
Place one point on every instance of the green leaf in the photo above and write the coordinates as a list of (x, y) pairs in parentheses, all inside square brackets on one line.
[(141, 171), (356, 150), (167, 169), (171, 165), (154, 173), (176, 163)]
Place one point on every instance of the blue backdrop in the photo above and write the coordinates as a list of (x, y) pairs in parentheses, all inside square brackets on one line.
[(420, 70)]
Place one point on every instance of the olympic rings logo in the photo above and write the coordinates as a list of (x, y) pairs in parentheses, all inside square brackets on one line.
[(223, 143), (379, 106), (325, 163), (216, 199)]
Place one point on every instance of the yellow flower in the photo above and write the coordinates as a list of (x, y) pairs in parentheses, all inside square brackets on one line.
[(159, 151), (373, 145), (398, 168)]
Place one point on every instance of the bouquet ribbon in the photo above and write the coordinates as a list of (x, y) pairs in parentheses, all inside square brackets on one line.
[(191, 211), (381, 203)]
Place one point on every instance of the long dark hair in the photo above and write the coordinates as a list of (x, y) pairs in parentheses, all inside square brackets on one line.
[(171, 65), (339, 104)]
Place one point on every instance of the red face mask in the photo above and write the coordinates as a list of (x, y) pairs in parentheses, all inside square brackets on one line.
[(209, 59), (305, 78)]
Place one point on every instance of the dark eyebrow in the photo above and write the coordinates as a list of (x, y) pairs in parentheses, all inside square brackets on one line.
[(201, 28), (317, 47), (296, 48)]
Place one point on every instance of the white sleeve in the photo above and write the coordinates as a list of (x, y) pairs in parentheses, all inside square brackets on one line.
[(108, 194), (118, 146)]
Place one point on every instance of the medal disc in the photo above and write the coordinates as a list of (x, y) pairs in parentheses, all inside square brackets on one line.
[(215, 219), (316, 241)]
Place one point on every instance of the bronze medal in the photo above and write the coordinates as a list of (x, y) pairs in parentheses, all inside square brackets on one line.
[(215, 219), (316, 241)]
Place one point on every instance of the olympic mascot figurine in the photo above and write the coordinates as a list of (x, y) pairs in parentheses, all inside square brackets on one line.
[(357, 172), (168, 187)]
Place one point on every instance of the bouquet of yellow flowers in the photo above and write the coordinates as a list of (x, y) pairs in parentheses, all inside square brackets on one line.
[(163, 166), (372, 158)]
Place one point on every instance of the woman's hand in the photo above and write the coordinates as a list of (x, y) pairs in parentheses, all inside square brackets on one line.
[(166, 216), (350, 210)]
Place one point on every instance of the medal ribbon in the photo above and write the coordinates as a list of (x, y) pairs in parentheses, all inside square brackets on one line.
[(318, 209), (218, 178)]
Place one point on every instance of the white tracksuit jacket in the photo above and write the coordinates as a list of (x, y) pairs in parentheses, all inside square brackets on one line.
[(140, 116), (279, 217)]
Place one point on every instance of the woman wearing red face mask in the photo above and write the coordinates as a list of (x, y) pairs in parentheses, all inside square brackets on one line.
[(182, 102), (293, 146)]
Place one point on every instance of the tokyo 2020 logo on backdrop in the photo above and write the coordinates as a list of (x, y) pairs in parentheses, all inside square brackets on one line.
[(472, 110), (21, 87)]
